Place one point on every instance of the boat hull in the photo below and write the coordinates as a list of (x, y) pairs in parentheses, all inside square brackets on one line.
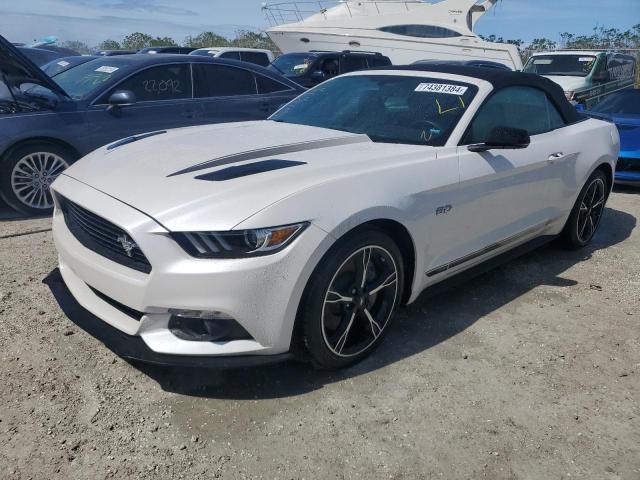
[(400, 51)]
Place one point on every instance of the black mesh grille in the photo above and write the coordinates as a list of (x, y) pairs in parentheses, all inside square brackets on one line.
[(102, 236)]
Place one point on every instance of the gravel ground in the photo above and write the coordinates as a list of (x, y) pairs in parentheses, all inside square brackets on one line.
[(531, 371)]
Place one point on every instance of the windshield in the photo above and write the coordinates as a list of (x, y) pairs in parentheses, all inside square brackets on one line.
[(293, 64), (622, 103), (389, 109), (79, 81), (563, 65), (62, 64)]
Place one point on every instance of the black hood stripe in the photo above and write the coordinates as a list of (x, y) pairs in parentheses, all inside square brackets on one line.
[(247, 169), (269, 151)]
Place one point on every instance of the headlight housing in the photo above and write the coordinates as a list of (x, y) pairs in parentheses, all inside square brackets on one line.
[(238, 243)]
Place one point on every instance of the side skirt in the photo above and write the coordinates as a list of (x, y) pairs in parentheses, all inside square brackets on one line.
[(466, 275)]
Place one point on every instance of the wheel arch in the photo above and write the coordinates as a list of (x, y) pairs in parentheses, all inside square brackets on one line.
[(605, 167), (403, 239), (26, 141)]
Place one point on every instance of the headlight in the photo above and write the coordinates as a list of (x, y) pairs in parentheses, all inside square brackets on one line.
[(570, 95), (238, 243)]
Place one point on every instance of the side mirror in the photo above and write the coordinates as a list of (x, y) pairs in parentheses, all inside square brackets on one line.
[(503, 138), (121, 98)]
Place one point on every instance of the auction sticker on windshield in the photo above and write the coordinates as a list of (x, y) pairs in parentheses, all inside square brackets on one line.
[(441, 88)]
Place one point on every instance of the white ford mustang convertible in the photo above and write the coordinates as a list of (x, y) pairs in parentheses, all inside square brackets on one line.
[(302, 234)]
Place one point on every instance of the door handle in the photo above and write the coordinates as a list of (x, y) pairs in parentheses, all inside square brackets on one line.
[(555, 156)]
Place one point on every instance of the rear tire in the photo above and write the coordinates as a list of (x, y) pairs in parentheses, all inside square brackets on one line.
[(586, 214), (26, 173), (350, 299)]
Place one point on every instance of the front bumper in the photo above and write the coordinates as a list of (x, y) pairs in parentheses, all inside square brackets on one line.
[(260, 293), (132, 347)]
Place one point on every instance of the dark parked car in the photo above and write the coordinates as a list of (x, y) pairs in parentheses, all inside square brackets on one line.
[(113, 53), (466, 63), (45, 125), (168, 49), (311, 68), (60, 65), (39, 56), (46, 53)]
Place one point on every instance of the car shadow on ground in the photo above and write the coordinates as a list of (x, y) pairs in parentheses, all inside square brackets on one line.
[(432, 319)]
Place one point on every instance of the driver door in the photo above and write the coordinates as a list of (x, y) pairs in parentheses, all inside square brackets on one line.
[(509, 196), (164, 100)]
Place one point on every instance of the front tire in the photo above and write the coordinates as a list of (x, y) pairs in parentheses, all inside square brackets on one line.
[(586, 215), (350, 299), (27, 172)]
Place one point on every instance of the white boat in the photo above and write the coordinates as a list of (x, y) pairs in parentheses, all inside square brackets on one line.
[(405, 31)]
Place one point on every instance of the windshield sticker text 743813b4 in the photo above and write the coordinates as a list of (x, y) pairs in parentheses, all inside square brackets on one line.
[(441, 88)]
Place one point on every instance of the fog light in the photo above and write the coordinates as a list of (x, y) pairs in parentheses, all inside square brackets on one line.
[(205, 326)]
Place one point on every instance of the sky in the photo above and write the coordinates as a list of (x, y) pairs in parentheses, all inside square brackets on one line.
[(92, 21)]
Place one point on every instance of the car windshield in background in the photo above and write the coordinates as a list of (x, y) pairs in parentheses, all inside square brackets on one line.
[(622, 103), (83, 79), (389, 109), (292, 64), (62, 64), (563, 65)]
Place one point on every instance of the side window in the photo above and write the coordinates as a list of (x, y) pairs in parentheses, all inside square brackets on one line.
[(421, 31), (378, 61), (268, 85), (330, 67), (350, 63), (222, 81), (231, 55), (164, 82), (521, 107), (259, 58)]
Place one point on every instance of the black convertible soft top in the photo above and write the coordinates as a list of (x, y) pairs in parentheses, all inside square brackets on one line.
[(501, 79)]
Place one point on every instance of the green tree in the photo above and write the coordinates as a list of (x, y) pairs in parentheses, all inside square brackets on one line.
[(206, 39), (249, 39), (136, 41), (538, 45), (109, 45), (163, 41), (80, 47)]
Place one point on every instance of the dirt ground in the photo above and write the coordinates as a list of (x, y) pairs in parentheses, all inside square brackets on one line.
[(531, 371)]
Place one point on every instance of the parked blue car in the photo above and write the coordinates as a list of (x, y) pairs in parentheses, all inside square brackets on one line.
[(623, 109), (48, 123)]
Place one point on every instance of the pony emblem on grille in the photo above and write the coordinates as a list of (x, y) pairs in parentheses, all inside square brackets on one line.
[(127, 244)]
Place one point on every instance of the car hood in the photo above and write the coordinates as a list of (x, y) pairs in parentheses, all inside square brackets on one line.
[(16, 70), (568, 84), (216, 176)]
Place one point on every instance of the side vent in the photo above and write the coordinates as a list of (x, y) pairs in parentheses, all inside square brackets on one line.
[(134, 138)]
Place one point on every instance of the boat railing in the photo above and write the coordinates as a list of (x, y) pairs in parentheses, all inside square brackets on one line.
[(279, 13)]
